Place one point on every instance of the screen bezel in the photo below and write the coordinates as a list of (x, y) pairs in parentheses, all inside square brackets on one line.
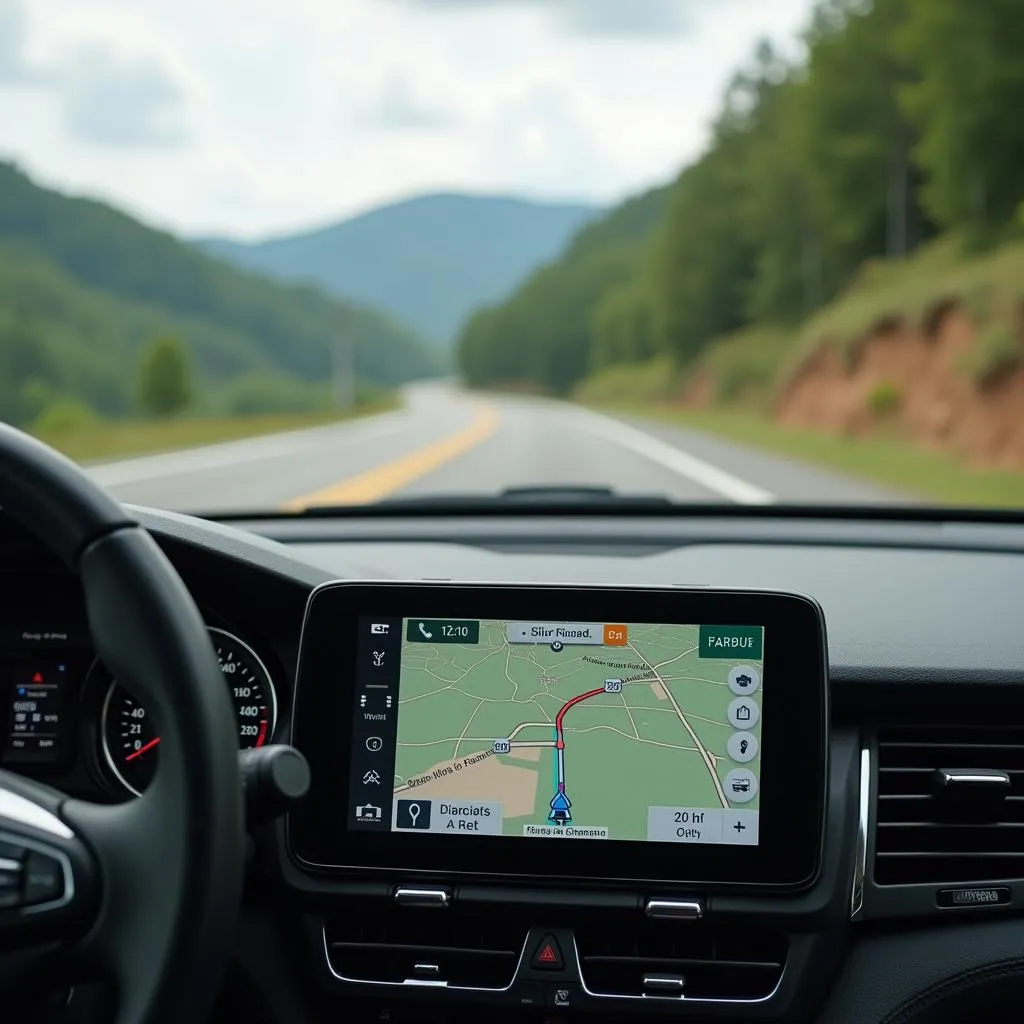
[(792, 776)]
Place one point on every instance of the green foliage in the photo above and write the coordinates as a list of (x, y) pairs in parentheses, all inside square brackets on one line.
[(64, 416), (622, 326), (884, 400), (165, 377), (941, 276), (259, 393), (995, 352), (965, 99), (656, 380), (83, 287), (542, 336), (744, 367)]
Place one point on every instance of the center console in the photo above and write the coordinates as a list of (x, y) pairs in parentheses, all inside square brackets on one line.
[(568, 797)]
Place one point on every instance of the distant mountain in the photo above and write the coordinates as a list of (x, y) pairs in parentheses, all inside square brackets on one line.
[(84, 286), (427, 261)]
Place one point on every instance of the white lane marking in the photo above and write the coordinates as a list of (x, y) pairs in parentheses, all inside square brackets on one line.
[(700, 472), (233, 453)]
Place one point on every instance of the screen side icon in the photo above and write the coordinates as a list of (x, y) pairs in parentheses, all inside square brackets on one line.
[(381, 628)]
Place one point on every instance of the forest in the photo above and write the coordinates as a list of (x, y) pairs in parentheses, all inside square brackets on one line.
[(897, 121), (84, 289)]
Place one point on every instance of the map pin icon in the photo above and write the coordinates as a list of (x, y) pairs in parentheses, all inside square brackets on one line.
[(414, 813)]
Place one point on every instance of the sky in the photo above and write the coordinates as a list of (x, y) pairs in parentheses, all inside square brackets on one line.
[(254, 118)]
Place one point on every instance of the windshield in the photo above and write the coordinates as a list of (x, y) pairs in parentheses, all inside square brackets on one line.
[(266, 257)]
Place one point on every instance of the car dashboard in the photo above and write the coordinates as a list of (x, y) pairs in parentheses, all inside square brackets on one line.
[(914, 915)]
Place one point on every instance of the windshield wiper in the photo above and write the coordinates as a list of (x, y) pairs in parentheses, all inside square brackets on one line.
[(540, 495), (554, 498)]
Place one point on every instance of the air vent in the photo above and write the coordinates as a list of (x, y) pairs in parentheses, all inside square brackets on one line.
[(950, 805), (688, 962), (425, 947)]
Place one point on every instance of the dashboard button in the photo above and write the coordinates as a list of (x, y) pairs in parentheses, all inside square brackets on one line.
[(44, 879), (563, 996), (548, 956)]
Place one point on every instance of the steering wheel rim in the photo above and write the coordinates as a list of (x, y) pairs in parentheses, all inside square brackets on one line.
[(158, 878)]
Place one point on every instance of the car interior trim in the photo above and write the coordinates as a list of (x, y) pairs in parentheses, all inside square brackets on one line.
[(860, 863), (16, 808)]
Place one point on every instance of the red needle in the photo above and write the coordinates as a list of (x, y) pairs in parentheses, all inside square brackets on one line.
[(138, 753)]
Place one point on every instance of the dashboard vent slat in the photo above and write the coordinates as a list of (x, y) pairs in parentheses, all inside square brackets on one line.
[(714, 964), (394, 948), (924, 835)]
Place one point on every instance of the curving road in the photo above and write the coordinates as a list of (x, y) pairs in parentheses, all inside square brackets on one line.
[(446, 441)]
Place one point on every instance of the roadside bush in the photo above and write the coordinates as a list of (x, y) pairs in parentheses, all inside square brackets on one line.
[(745, 366), (260, 393), (63, 416), (656, 380), (995, 352), (884, 400)]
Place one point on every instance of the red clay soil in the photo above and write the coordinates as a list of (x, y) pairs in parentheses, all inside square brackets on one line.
[(939, 405)]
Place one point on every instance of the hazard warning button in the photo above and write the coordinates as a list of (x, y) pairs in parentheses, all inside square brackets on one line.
[(547, 956)]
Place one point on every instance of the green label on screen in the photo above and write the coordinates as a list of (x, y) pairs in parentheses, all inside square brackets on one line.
[(442, 631), (731, 642)]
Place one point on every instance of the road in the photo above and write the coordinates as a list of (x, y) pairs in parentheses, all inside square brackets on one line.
[(447, 441)]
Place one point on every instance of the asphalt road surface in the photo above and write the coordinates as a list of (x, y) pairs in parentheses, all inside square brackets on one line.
[(444, 441)]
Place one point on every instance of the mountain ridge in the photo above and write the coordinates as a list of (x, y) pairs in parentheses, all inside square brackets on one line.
[(427, 260), (84, 286)]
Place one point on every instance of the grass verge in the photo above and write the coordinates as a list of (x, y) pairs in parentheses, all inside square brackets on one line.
[(891, 462), (108, 439)]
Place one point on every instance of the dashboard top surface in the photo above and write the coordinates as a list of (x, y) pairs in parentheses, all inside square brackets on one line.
[(905, 601)]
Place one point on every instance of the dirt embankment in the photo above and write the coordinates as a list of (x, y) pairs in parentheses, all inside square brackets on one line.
[(913, 380)]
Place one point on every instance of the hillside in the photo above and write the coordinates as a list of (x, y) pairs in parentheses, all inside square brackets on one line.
[(845, 256), (543, 335), (427, 261), (84, 286)]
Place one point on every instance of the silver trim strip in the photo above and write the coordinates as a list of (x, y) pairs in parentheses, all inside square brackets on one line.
[(860, 863), (413, 981), (9, 865), (430, 898), (19, 809), (678, 910), (671, 997), (950, 777)]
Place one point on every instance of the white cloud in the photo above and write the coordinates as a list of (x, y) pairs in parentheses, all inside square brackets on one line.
[(617, 18), (289, 113), (399, 105), (114, 102)]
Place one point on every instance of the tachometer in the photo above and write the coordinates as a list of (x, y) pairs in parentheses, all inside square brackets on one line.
[(130, 743)]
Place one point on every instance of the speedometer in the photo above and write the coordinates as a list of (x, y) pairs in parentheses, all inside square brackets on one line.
[(129, 740)]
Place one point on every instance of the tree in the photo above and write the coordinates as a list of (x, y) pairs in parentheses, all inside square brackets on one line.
[(165, 377), (966, 103)]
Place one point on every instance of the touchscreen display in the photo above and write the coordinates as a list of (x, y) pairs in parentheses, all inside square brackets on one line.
[(578, 730)]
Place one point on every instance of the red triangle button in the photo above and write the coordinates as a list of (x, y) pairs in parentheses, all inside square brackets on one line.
[(548, 956)]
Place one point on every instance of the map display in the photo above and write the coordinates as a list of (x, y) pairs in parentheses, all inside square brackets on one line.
[(627, 731)]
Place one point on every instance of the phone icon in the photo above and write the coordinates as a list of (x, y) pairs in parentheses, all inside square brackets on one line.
[(425, 632)]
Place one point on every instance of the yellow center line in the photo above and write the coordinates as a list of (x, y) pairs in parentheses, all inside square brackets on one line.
[(389, 477)]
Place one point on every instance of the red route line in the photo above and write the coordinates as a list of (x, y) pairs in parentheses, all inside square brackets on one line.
[(560, 743)]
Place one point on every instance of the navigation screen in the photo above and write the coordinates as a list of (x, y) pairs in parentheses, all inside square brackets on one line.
[(578, 730)]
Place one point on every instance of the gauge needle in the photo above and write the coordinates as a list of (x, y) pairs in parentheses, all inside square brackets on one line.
[(138, 753)]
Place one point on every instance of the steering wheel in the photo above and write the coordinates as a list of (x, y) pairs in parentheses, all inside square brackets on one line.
[(144, 893)]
